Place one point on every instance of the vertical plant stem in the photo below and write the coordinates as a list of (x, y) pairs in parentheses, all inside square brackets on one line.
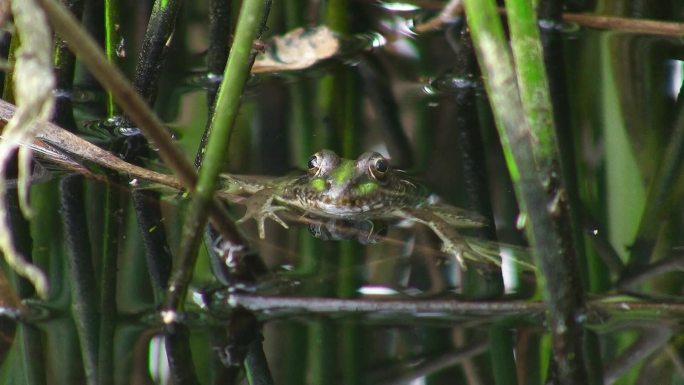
[(321, 361), (532, 83), (160, 26), (527, 149), (8, 87), (65, 64), (84, 291), (108, 278), (177, 343), (251, 19), (154, 241), (252, 16), (593, 271), (219, 39), (501, 353), (470, 149), (31, 349), (217, 56), (256, 366), (190, 239), (112, 41), (151, 58)]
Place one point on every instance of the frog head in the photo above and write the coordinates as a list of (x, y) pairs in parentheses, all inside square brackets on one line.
[(338, 187)]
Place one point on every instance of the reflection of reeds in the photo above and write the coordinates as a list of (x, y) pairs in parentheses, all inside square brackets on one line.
[(622, 137)]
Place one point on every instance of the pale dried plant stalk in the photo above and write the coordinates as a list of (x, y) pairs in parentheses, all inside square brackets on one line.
[(33, 85)]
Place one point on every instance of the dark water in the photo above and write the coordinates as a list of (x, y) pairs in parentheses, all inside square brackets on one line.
[(343, 312)]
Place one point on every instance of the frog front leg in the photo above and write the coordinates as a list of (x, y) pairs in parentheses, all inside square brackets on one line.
[(452, 242), (260, 206)]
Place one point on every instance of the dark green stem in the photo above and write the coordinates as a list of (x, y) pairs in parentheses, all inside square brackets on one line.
[(160, 26), (154, 240), (84, 290), (219, 40), (594, 271), (217, 56), (256, 366), (501, 349), (177, 343), (190, 240), (65, 64), (108, 288), (530, 151), (8, 86), (151, 58)]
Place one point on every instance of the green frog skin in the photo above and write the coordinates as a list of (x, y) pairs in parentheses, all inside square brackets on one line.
[(363, 189)]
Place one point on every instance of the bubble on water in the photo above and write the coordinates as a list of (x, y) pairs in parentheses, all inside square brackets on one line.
[(399, 6)]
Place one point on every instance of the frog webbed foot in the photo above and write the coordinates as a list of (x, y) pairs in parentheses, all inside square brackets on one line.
[(452, 242), (260, 206), (459, 250)]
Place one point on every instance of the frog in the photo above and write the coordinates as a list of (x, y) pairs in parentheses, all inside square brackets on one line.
[(364, 189)]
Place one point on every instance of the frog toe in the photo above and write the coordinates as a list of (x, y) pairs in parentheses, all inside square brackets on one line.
[(260, 217), (456, 251), (276, 218)]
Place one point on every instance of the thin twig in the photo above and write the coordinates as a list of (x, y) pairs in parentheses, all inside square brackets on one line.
[(261, 303), (597, 310), (431, 365), (624, 24), (652, 337), (614, 23), (628, 284)]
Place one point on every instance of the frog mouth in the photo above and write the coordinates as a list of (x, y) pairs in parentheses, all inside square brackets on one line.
[(345, 205)]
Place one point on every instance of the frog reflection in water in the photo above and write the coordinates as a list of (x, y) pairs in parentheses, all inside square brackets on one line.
[(365, 189)]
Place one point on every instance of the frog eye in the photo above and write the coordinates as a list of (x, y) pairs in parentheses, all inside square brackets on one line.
[(378, 167), (314, 162), (322, 162)]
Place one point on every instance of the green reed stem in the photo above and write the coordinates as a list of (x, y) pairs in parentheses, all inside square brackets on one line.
[(530, 153), (501, 349), (111, 44), (531, 75), (251, 19)]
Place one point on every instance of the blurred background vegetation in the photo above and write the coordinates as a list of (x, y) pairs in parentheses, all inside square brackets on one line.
[(580, 120)]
